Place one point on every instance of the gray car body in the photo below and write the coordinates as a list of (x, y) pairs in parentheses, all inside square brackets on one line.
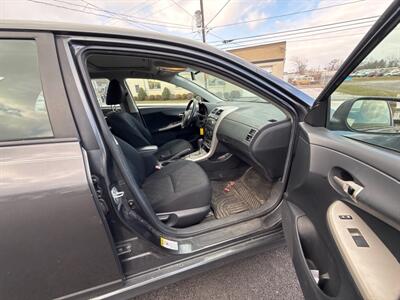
[(55, 240)]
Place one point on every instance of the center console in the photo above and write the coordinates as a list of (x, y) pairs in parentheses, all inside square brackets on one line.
[(210, 137), (210, 126)]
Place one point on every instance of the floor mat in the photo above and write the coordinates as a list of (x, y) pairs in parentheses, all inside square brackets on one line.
[(248, 192)]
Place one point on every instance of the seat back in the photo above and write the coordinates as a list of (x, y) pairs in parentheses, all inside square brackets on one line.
[(135, 161), (123, 124), (127, 127)]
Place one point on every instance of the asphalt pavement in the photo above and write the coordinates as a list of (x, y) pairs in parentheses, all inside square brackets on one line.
[(269, 275)]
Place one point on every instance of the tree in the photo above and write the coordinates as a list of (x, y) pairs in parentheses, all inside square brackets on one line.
[(166, 94), (334, 64), (142, 95), (301, 64)]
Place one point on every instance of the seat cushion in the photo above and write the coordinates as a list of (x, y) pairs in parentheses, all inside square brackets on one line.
[(171, 148), (178, 186)]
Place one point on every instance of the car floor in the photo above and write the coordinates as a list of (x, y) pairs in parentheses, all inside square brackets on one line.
[(249, 192)]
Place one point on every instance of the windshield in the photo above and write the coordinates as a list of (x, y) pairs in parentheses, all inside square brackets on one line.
[(221, 88)]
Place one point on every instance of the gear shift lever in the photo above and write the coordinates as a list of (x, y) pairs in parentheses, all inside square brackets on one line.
[(200, 144)]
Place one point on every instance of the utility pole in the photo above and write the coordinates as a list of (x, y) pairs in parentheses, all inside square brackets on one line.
[(199, 18), (203, 30)]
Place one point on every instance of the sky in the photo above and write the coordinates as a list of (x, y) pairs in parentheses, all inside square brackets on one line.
[(313, 29)]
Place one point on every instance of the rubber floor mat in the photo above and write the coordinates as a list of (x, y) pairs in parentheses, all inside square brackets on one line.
[(248, 192)]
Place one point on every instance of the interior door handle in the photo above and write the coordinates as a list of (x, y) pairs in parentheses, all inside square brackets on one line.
[(349, 187)]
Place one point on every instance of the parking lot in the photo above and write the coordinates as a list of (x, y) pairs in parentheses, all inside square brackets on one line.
[(268, 275)]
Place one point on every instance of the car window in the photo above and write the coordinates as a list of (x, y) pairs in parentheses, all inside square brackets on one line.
[(23, 112), (366, 106), (221, 88), (100, 86), (148, 91)]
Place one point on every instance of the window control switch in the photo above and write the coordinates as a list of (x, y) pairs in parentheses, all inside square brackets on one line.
[(345, 217)]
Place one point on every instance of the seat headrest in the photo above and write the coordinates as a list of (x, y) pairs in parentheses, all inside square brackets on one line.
[(115, 93)]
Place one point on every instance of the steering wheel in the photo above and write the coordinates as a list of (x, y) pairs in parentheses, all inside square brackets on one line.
[(190, 113)]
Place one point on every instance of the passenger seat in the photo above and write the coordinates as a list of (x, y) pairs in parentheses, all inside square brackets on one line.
[(180, 192), (127, 127)]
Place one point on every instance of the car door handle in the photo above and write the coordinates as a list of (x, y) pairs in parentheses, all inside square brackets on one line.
[(349, 187)]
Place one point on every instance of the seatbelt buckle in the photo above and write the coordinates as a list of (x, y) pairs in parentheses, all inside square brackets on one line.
[(158, 166)]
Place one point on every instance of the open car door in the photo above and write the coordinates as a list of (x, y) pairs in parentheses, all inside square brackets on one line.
[(341, 211)]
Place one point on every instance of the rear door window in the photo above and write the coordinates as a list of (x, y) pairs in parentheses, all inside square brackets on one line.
[(23, 112), (146, 91)]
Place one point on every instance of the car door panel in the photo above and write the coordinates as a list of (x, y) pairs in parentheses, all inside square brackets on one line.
[(157, 117), (368, 262), (53, 241), (357, 162), (320, 156), (163, 121)]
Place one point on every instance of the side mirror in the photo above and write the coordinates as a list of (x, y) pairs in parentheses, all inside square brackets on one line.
[(368, 114)]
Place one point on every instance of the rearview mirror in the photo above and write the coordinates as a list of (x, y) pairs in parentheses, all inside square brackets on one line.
[(373, 115)]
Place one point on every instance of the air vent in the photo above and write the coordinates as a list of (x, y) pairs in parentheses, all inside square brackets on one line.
[(219, 112), (214, 110), (250, 135)]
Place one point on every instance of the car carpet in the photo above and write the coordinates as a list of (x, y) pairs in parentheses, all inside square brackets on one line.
[(248, 192)]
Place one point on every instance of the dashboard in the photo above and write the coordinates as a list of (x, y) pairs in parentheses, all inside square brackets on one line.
[(258, 133)]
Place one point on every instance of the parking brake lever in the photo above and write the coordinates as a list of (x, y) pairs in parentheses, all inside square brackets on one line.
[(176, 156), (349, 187)]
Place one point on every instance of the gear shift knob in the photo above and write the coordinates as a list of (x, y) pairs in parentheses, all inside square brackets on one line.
[(200, 143)]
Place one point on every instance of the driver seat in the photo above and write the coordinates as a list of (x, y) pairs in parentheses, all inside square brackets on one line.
[(128, 128)]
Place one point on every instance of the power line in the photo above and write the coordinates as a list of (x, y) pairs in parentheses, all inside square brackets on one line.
[(161, 9), (146, 5), (181, 7), (286, 15), (328, 37), (309, 28), (113, 14), (303, 34), (111, 19), (130, 16), (218, 37), (83, 12), (146, 20), (294, 39), (212, 19), (290, 38)]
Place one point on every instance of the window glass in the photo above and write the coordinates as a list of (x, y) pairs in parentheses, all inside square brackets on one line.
[(100, 86), (145, 91), (23, 112), (154, 85), (366, 106), (221, 88)]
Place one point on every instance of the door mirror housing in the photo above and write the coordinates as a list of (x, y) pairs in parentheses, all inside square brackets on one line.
[(368, 114)]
